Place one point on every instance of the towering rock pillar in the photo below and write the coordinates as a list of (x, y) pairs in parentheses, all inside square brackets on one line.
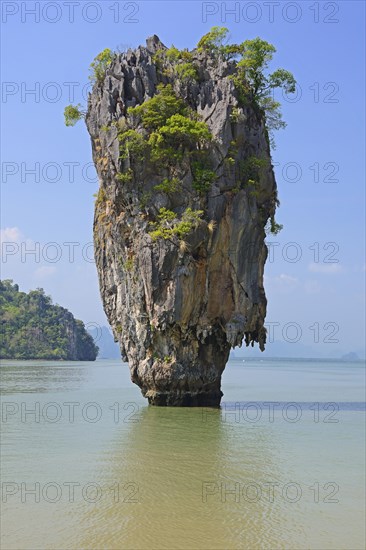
[(179, 218)]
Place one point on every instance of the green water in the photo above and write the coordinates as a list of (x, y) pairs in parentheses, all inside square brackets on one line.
[(95, 468)]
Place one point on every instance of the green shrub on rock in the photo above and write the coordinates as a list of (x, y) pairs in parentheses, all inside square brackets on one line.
[(155, 112), (212, 42), (100, 64), (132, 143), (168, 185), (125, 177), (181, 132), (203, 178), (169, 226), (72, 114), (187, 72), (251, 169)]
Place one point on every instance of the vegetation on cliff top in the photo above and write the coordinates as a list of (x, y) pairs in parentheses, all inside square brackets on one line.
[(165, 131), (33, 328), (173, 130), (99, 65), (251, 78)]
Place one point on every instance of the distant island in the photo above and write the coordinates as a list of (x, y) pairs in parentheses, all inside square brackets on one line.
[(34, 328), (351, 356)]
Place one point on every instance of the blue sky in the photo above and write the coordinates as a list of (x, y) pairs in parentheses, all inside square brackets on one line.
[(317, 268)]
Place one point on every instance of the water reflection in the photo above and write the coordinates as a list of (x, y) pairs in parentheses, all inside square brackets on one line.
[(194, 474)]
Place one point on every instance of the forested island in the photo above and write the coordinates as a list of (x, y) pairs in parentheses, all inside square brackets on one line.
[(32, 327)]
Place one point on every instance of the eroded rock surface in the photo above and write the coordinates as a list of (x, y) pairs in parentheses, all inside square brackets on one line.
[(177, 308)]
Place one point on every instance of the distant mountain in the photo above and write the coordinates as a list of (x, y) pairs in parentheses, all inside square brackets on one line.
[(31, 327), (351, 356), (282, 349), (103, 338), (279, 348)]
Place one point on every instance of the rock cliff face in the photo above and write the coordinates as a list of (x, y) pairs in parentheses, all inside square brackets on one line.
[(178, 305)]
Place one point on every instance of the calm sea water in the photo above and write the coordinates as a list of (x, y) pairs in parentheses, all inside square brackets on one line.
[(86, 464)]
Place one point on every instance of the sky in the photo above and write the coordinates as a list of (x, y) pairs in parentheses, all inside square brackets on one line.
[(315, 275)]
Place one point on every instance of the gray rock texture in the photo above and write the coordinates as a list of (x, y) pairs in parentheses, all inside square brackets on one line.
[(178, 308)]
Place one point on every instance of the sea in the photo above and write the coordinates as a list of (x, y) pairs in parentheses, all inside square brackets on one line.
[(88, 464)]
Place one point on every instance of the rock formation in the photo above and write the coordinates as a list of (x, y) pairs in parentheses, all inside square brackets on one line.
[(180, 267)]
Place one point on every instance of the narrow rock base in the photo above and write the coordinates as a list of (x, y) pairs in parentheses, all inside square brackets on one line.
[(188, 399)]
